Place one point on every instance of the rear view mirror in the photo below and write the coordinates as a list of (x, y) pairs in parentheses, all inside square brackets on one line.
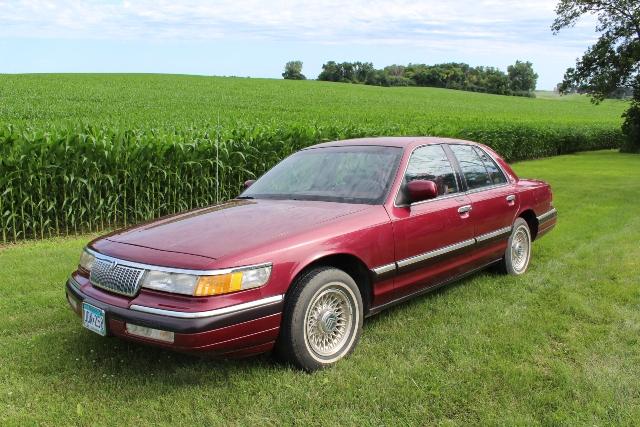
[(420, 189)]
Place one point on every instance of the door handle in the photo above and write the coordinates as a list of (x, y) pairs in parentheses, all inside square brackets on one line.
[(464, 209), (511, 198)]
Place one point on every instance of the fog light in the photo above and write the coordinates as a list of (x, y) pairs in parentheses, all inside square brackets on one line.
[(73, 303), (153, 334)]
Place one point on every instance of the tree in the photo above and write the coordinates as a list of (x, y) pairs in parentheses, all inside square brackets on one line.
[(493, 80), (331, 72), (522, 78), (377, 78), (362, 71), (613, 61), (451, 75), (394, 70), (293, 71), (348, 72)]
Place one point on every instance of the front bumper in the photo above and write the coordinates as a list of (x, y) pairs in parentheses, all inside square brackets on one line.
[(240, 330)]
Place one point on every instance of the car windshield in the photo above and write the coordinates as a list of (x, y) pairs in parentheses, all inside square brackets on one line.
[(350, 174)]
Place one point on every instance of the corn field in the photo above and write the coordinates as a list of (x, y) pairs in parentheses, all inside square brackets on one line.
[(102, 170), (68, 183)]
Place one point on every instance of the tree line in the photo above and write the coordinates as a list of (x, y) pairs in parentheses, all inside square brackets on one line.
[(520, 78), (608, 68)]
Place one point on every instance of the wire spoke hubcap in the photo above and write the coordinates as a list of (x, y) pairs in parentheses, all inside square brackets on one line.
[(328, 321), (520, 249)]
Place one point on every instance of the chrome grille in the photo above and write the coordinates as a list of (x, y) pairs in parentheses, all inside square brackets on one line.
[(111, 276)]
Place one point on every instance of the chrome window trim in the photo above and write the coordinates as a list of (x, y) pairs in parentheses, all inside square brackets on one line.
[(547, 215), (437, 252), (459, 193), (448, 196), (176, 270), (384, 268), (491, 235), (210, 313), (488, 187)]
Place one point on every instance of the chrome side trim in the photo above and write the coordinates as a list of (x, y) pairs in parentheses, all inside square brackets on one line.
[(175, 270), (451, 248), (377, 309), (493, 234), (210, 313), (545, 216), (432, 254), (384, 269)]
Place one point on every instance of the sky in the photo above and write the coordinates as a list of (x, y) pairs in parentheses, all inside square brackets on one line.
[(256, 38)]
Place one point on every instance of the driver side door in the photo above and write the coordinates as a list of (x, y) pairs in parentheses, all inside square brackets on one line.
[(431, 236)]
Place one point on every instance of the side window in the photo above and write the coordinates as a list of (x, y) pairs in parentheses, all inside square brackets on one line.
[(473, 169), (431, 163), (495, 174)]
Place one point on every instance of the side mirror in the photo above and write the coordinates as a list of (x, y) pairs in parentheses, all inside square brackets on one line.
[(420, 190), (248, 183)]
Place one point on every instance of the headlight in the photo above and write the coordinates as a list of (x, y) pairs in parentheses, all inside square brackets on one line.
[(169, 282), (237, 280), (87, 260)]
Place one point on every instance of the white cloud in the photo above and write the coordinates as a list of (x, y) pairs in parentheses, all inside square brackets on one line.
[(330, 21), (480, 32)]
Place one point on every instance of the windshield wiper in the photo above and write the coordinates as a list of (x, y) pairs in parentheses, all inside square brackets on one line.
[(244, 197)]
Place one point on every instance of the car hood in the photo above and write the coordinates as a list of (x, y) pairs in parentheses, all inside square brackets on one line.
[(233, 227)]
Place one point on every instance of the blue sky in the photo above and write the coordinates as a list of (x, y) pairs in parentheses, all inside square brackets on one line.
[(255, 38)]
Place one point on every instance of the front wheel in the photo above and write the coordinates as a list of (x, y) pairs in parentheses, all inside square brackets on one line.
[(322, 320), (518, 253)]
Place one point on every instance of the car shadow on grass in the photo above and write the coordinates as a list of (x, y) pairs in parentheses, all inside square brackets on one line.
[(90, 359), (429, 294), (82, 359)]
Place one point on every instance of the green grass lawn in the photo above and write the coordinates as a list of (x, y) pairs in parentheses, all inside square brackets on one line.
[(557, 346)]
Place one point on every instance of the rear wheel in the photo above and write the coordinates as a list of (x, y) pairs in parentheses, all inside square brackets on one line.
[(518, 253), (322, 320)]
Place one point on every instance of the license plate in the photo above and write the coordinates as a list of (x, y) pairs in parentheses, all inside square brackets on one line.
[(93, 318)]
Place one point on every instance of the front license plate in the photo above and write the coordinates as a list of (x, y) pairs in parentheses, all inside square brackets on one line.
[(93, 318)]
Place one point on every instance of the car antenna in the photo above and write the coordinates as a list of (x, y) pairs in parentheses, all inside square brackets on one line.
[(217, 160)]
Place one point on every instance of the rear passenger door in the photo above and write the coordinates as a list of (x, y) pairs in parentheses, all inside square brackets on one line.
[(432, 236), (493, 201)]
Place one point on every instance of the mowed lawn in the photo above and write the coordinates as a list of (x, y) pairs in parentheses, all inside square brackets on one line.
[(557, 346)]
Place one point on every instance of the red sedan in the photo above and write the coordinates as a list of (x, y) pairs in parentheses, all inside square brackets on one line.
[(332, 234)]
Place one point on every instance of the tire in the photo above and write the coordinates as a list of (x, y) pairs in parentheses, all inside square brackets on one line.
[(518, 253), (322, 320)]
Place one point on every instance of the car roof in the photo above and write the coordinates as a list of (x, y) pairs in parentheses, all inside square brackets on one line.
[(393, 141)]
